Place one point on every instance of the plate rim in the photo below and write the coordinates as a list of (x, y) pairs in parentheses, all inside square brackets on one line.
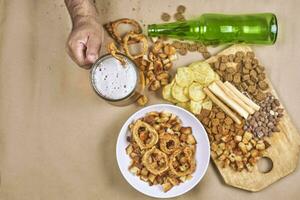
[(159, 106)]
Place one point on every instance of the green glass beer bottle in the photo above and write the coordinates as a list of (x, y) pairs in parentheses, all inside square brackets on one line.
[(220, 28)]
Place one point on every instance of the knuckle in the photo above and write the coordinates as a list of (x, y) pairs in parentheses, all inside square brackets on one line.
[(70, 43)]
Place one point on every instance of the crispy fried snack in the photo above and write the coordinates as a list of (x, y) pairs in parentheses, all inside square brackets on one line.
[(112, 28), (168, 143), (167, 160), (113, 50), (144, 135), (181, 162), (131, 38), (155, 161)]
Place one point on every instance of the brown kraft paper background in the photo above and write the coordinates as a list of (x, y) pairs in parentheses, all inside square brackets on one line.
[(57, 138)]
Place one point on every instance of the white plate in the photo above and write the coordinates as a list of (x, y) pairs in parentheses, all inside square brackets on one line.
[(202, 153)]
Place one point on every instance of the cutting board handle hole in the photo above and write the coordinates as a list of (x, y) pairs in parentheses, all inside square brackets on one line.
[(265, 165)]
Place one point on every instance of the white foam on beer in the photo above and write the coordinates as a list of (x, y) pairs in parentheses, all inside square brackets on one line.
[(113, 80)]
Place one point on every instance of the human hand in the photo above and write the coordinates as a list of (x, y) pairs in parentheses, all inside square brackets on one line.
[(85, 40)]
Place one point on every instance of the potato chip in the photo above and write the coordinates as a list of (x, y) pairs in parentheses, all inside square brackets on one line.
[(167, 93), (195, 92), (178, 93), (184, 105), (207, 104), (184, 76), (196, 106), (217, 77), (186, 91), (203, 73)]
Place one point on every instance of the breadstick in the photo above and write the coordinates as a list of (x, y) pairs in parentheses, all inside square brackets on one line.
[(227, 110), (236, 107), (233, 96), (248, 101)]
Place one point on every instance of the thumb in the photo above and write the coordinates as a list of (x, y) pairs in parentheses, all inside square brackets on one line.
[(93, 48)]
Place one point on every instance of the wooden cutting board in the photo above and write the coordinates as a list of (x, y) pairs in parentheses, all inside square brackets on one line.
[(284, 150)]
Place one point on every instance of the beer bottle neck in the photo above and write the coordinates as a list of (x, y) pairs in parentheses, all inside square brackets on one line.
[(190, 30)]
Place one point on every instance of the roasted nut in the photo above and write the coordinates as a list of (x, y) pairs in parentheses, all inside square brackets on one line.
[(168, 66), (169, 50), (242, 147), (134, 170), (164, 82), (182, 51), (263, 85), (157, 47), (181, 9), (228, 121), (247, 136), (192, 47), (155, 85), (238, 138), (167, 186), (142, 101), (186, 130), (206, 55), (191, 139), (165, 17), (260, 146), (179, 17), (162, 75), (129, 149)]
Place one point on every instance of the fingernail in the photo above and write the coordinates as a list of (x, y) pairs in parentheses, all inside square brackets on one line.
[(92, 57)]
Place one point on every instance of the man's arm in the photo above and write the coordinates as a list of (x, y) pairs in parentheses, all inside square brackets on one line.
[(81, 8), (86, 36)]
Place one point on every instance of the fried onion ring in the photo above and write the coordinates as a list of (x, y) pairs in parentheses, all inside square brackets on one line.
[(152, 158), (113, 50), (188, 167), (112, 27), (135, 38), (152, 132), (169, 143)]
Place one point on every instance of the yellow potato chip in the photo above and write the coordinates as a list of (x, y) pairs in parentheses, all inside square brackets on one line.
[(195, 92), (178, 93), (217, 77), (196, 106), (184, 76), (167, 93), (184, 105), (186, 91), (203, 73), (207, 104)]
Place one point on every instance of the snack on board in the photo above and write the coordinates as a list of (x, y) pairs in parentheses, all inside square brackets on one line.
[(240, 142), (231, 145), (162, 150), (186, 89), (265, 121), (224, 107), (244, 71), (227, 95)]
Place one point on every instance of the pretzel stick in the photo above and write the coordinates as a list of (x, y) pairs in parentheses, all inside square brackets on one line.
[(233, 96), (227, 110), (248, 101), (236, 107)]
